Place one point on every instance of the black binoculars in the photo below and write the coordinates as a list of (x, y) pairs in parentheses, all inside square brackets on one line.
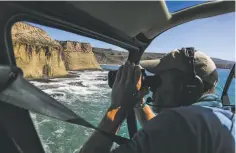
[(153, 82)]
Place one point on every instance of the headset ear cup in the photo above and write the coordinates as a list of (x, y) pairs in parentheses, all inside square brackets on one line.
[(193, 90), (199, 87)]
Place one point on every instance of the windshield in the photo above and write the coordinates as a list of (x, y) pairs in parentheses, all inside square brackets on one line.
[(73, 70), (214, 36)]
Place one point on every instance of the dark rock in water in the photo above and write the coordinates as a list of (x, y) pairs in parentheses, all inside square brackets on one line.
[(49, 79), (73, 73), (102, 78), (57, 94), (43, 87), (79, 83), (44, 80)]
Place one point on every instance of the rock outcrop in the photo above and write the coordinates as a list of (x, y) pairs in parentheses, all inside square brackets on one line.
[(78, 56), (40, 56), (36, 53)]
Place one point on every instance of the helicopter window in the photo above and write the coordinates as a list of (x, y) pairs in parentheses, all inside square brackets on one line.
[(223, 74), (174, 6), (214, 36), (71, 69), (68, 67)]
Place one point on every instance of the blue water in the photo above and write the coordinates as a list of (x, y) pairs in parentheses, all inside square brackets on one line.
[(88, 95), (223, 74)]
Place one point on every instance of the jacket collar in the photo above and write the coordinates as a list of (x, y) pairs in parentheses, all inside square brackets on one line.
[(210, 100)]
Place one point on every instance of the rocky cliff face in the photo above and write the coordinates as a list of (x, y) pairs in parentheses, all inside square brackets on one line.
[(38, 55), (78, 56)]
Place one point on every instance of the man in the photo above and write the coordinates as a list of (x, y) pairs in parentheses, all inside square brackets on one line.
[(202, 127)]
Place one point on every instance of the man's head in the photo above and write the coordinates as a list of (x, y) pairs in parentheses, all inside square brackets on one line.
[(174, 71)]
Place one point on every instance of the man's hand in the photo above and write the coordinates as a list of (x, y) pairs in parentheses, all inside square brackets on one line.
[(125, 94), (126, 88)]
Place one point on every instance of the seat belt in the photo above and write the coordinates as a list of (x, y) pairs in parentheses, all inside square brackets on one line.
[(118, 139), (14, 86)]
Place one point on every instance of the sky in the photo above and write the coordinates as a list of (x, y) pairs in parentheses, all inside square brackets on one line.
[(215, 36)]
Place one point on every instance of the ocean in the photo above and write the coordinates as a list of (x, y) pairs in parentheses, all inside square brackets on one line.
[(87, 94)]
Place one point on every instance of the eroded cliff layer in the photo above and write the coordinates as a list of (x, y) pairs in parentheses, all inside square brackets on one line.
[(36, 53), (78, 56)]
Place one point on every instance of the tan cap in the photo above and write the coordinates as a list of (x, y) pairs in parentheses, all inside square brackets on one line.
[(204, 66)]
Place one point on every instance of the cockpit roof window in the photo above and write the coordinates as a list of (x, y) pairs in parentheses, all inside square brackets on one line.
[(174, 6)]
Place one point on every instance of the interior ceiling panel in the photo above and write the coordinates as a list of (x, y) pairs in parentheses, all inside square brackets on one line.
[(130, 25), (130, 17), (149, 17)]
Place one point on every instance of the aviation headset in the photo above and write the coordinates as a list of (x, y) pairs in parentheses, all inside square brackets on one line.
[(193, 86)]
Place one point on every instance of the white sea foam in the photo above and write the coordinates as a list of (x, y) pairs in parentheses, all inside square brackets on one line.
[(37, 127), (43, 121), (35, 122), (37, 83), (88, 132), (88, 87), (77, 150), (48, 141), (59, 131), (46, 148)]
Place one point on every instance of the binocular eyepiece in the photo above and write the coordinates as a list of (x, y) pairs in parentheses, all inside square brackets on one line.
[(153, 82)]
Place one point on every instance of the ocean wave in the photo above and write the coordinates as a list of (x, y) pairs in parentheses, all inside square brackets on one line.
[(88, 78)]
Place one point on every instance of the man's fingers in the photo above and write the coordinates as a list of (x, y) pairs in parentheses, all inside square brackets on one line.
[(125, 71), (137, 77), (119, 74)]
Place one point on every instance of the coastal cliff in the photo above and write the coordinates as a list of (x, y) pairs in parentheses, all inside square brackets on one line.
[(36, 53), (40, 56), (78, 56), (110, 56)]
